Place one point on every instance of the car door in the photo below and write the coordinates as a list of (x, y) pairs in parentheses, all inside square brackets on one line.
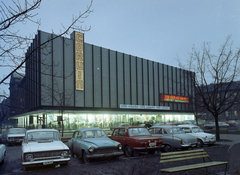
[(122, 136), (76, 143)]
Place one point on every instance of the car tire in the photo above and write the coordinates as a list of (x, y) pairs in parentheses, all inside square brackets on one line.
[(85, 158), (128, 152), (2, 162), (200, 144), (167, 148), (65, 164), (151, 152)]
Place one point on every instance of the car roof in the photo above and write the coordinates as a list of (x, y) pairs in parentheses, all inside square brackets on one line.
[(190, 126), (88, 129), (127, 127), (164, 126), (39, 130)]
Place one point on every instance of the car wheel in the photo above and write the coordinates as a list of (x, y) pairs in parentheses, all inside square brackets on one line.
[(200, 144), (151, 152), (167, 148), (85, 158), (128, 152)]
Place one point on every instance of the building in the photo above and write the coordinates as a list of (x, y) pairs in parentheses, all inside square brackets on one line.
[(85, 85), (221, 95)]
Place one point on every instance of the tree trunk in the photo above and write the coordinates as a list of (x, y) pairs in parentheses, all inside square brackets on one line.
[(217, 128)]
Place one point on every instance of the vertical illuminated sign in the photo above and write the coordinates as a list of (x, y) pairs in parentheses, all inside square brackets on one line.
[(79, 64)]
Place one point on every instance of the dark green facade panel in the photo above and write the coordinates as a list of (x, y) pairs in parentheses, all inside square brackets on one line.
[(46, 70), (150, 83), (140, 81), (113, 79), (145, 83), (120, 79), (88, 75), (97, 76), (133, 80), (57, 74), (161, 77), (166, 80), (156, 84), (69, 72), (127, 80), (105, 79)]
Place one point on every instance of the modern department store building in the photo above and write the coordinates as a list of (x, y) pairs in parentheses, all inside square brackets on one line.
[(91, 86)]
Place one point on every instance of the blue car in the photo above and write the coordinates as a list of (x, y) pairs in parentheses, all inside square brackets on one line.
[(89, 143)]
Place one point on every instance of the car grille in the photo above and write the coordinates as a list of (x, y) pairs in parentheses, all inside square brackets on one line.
[(47, 155), (106, 150)]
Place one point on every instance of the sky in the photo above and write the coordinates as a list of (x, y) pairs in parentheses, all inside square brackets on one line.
[(157, 30)]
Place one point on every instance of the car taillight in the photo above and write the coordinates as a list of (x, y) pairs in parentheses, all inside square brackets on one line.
[(181, 141)]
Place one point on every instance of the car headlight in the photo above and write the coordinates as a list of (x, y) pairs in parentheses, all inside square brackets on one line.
[(91, 149), (28, 157), (64, 154), (120, 146)]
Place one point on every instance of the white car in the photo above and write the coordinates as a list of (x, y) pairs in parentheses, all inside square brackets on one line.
[(16, 135), (44, 147), (213, 125), (204, 138), (2, 153)]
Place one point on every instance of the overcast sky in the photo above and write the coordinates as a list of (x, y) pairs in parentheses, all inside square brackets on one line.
[(158, 30)]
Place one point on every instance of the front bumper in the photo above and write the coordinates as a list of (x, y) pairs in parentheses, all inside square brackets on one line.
[(209, 142), (114, 154), (45, 162), (147, 148)]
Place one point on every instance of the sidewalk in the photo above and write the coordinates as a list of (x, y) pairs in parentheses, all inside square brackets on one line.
[(229, 139)]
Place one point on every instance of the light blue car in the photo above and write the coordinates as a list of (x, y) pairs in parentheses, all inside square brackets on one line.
[(89, 143)]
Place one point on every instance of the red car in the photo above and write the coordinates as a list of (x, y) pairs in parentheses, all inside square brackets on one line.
[(135, 138)]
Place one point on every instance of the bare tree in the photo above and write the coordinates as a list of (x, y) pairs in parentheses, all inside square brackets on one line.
[(12, 42), (215, 79)]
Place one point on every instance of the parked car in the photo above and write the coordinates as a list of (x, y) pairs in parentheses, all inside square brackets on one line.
[(90, 143), (232, 123), (212, 125), (120, 125), (136, 138), (173, 137), (16, 135), (204, 138), (2, 153), (44, 147)]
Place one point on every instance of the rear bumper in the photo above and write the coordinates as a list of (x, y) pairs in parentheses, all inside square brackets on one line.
[(147, 148)]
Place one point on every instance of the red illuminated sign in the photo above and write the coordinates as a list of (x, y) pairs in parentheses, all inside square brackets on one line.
[(174, 98)]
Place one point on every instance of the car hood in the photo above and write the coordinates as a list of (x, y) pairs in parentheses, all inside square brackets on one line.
[(16, 135), (101, 142), (44, 146)]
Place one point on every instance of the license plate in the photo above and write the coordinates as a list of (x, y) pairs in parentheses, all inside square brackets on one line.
[(47, 163), (152, 144)]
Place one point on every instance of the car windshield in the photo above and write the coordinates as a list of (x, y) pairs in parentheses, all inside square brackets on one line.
[(17, 131), (94, 134), (42, 135), (196, 129), (138, 131), (176, 130)]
